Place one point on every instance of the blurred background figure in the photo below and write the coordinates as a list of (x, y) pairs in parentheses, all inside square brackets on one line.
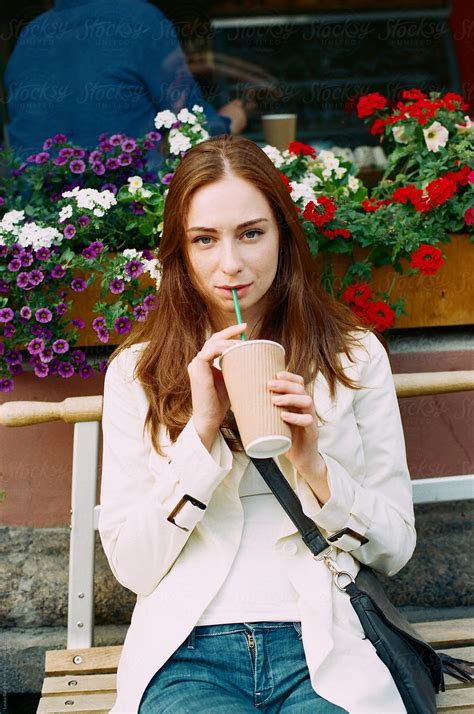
[(89, 67)]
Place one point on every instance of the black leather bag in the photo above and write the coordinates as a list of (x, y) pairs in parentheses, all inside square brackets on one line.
[(416, 668)]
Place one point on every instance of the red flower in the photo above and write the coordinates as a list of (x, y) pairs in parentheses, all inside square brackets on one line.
[(413, 94), (358, 294), (313, 212), (372, 204), (370, 103), (380, 315), (286, 181), (469, 216), (451, 99), (412, 194), (427, 259), (440, 190), (343, 232), (378, 127), (296, 147)]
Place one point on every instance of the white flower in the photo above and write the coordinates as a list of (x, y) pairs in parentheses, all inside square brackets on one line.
[(468, 126), (91, 198), (153, 267), (65, 213), (302, 191), (131, 253), (198, 109), (165, 119), (9, 221), (38, 237), (274, 155), (436, 136), (145, 193), (399, 134), (353, 183), (340, 171), (186, 117), (178, 142), (97, 212), (134, 183)]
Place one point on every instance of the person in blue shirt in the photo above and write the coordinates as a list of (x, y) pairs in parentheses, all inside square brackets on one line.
[(89, 67)]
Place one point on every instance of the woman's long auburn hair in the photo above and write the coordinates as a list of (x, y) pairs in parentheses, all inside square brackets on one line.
[(312, 326)]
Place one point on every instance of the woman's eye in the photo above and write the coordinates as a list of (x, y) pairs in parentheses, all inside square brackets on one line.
[(252, 234), (204, 240)]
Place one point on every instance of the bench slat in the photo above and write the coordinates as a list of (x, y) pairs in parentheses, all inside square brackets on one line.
[(456, 700), (100, 660), (73, 684), (97, 703), (447, 632)]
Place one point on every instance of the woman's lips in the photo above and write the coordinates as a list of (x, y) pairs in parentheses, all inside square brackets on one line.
[(241, 290)]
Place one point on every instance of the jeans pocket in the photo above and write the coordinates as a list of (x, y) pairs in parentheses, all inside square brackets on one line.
[(297, 626)]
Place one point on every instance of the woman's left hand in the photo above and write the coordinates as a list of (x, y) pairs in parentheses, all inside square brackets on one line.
[(288, 392)]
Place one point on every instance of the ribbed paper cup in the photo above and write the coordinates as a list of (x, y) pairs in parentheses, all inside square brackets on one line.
[(247, 368), (279, 129)]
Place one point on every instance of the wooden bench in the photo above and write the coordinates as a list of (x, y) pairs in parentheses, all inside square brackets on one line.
[(82, 678)]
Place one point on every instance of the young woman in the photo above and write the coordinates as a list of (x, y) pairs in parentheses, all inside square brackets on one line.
[(233, 614)]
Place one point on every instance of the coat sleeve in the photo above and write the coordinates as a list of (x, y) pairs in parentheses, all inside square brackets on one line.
[(380, 506), (140, 488)]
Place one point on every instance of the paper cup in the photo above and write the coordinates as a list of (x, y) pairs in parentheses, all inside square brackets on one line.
[(279, 129), (247, 368)]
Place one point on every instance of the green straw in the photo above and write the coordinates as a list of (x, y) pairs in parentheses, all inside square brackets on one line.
[(238, 314)]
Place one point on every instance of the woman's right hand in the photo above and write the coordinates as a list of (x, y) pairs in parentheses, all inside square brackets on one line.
[(209, 395)]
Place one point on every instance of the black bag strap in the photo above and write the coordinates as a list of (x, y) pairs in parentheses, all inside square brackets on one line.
[(282, 490)]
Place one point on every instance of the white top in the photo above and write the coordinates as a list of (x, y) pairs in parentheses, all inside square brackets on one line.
[(257, 587)]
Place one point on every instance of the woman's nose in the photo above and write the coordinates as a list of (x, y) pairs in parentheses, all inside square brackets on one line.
[(231, 258)]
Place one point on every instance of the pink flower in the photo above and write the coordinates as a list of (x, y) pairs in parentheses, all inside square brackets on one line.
[(469, 217)]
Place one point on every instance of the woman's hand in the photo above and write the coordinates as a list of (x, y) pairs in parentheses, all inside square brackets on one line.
[(209, 395), (298, 411)]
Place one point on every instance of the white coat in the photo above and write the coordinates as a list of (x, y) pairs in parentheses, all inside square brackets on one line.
[(176, 574)]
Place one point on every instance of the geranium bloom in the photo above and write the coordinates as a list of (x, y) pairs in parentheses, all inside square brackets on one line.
[(370, 103), (380, 315), (427, 259), (298, 148), (440, 190), (286, 181), (321, 212), (436, 136), (469, 216), (358, 294)]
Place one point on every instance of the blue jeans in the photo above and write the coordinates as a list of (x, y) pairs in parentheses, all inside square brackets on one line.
[(234, 669)]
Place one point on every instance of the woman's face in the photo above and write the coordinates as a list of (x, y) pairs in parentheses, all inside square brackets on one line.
[(232, 241)]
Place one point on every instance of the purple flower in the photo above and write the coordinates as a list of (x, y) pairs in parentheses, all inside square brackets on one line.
[(43, 314), (150, 302), (13, 357), (23, 281), (31, 159), (95, 156), (15, 370), (6, 314), (122, 325), (6, 385), (42, 157), (26, 260), (153, 136), (3, 250), (46, 333), (117, 286), (148, 145), (98, 168), (109, 187), (134, 268), (60, 138), (140, 313), (25, 312), (112, 163), (69, 231), (80, 324), (47, 144), (9, 330), (147, 254), (102, 137), (103, 334), (78, 153), (83, 221), (35, 346), (78, 285), (85, 371), (36, 330), (78, 356), (58, 272), (167, 178), (65, 153), (14, 265), (176, 125), (43, 253), (98, 322), (17, 250), (2, 200), (36, 276), (106, 146), (66, 370), (137, 208), (149, 177), (41, 370), (77, 166), (46, 355), (60, 160), (60, 346), (116, 139), (4, 286), (61, 308), (97, 246), (88, 253), (125, 159), (129, 145), (102, 367)]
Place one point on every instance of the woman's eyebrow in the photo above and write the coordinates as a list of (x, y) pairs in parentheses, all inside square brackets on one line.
[(241, 225)]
